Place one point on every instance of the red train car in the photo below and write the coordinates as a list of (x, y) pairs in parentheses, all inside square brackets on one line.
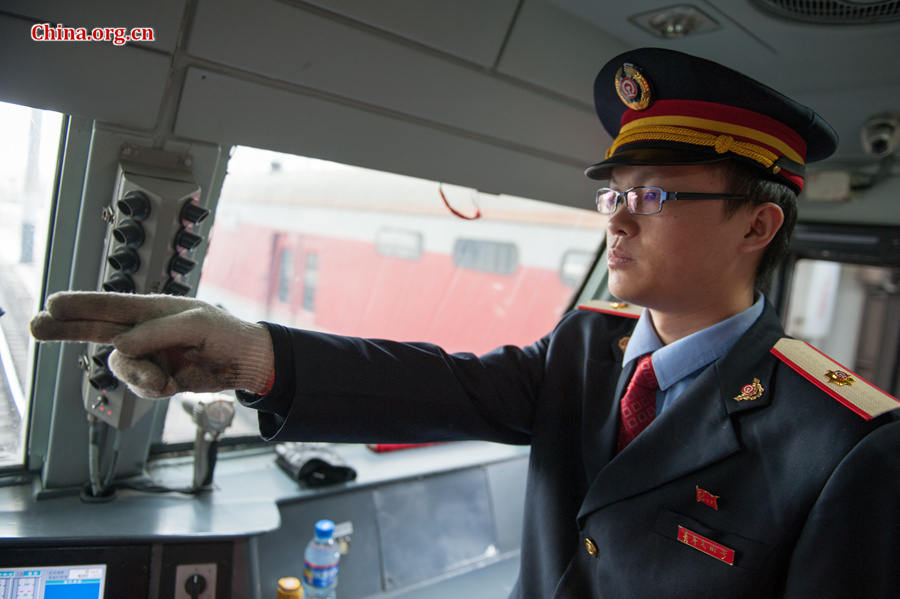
[(400, 269)]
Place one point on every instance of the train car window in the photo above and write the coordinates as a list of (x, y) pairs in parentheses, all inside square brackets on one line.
[(310, 281), (497, 257), (852, 313), (574, 266), (285, 268), (29, 150), (399, 243), (376, 254)]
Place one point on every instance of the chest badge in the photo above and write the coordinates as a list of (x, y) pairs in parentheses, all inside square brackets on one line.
[(707, 498), (750, 391), (839, 378), (708, 546)]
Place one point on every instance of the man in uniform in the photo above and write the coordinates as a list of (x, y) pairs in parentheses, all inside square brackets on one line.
[(687, 449)]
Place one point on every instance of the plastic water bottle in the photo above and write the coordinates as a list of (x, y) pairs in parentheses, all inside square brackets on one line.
[(320, 563)]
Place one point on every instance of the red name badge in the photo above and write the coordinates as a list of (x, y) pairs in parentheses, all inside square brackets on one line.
[(707, 546)]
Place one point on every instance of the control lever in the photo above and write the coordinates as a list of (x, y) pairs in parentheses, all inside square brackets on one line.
[(212, 413)]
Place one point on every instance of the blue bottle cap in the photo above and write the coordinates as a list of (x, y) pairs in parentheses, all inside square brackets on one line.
[(324, 529)]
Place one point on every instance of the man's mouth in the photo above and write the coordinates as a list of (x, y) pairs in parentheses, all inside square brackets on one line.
[(617, 258)]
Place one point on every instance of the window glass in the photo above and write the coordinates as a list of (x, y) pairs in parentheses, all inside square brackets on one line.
[(851, 313), (498, 257), (310, 280), (377, 254), (285, 268), (28, 158), (574, 266)]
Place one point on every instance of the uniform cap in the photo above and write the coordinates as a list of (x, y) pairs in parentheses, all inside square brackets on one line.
[(666, 107)]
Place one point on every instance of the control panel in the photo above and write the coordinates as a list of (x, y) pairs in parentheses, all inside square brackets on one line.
[(153, 230)]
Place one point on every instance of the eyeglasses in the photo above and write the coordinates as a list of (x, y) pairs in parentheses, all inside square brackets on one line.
[(649, 200)]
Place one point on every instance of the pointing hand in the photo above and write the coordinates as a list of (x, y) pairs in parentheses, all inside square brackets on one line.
[(163, 344)]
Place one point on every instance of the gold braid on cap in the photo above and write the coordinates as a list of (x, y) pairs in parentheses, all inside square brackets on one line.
[(721, 143)]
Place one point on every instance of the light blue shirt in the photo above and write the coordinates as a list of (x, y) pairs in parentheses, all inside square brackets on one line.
[(677, 365)]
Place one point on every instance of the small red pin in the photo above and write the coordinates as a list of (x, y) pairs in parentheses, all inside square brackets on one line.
[(707, 498)]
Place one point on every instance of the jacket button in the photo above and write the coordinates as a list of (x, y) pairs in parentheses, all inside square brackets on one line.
[(590, 546)]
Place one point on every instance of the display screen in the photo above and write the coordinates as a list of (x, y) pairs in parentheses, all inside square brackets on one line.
[(53, 582)]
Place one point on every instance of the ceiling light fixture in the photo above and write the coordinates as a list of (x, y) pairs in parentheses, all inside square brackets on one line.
[(674, 22)]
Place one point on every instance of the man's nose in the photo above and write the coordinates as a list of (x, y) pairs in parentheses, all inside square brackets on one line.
[(621, 222)]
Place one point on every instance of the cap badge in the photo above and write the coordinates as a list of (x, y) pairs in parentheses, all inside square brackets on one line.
[(618, 305), (632, 87), (750, 392), (839, 377)]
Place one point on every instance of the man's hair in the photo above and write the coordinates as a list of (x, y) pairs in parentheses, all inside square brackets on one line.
[(747, 180)]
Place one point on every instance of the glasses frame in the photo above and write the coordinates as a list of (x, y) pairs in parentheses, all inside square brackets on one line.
[(664, 196)]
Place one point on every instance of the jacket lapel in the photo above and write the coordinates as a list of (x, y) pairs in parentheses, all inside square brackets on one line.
[(604, 384), (694, 432)]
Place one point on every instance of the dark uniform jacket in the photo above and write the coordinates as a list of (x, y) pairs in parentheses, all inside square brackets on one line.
[(719, 497)]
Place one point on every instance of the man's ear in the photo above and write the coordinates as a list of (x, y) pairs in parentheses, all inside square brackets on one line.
[(763, 222)]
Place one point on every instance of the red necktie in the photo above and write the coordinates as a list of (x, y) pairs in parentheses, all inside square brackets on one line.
[(638, 406)]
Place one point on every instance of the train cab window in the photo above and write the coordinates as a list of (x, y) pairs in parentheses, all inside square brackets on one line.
[(29, 150), (852, 313), (377, 254)]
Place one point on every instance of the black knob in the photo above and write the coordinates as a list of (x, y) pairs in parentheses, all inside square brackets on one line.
[(187, 240), (120, 283), (101, 356), (194, 585), (103, 380), (193, 213), (129, 233), (181, 265), (125, 260), (173, 287), (135, 204)]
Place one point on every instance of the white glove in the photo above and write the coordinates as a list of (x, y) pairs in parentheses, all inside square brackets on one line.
[(163, 344)]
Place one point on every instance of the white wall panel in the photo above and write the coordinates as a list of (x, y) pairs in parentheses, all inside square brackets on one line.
[(554, 49), (261, 116), (287, 43), (473, 30), (122, 85)]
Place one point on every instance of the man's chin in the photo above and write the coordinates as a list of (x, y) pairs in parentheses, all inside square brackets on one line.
[(624, 292)]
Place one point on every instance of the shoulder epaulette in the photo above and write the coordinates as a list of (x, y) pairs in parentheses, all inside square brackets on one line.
[(850, 389), (614, 308)]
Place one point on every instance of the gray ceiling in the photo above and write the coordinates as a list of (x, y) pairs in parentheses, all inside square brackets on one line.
[(847, 73)]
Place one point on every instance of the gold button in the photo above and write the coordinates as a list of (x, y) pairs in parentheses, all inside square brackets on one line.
[(590, 546), (623, 343)]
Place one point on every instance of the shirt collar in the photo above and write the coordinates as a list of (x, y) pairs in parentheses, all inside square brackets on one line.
[(673, 362)]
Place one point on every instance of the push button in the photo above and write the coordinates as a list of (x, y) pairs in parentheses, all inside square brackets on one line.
[(590, 546)]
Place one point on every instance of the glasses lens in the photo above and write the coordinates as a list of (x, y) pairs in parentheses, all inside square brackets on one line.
[(607, 199), (644, 200)]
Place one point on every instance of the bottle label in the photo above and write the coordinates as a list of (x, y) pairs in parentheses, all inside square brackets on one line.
[(319, 576)]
